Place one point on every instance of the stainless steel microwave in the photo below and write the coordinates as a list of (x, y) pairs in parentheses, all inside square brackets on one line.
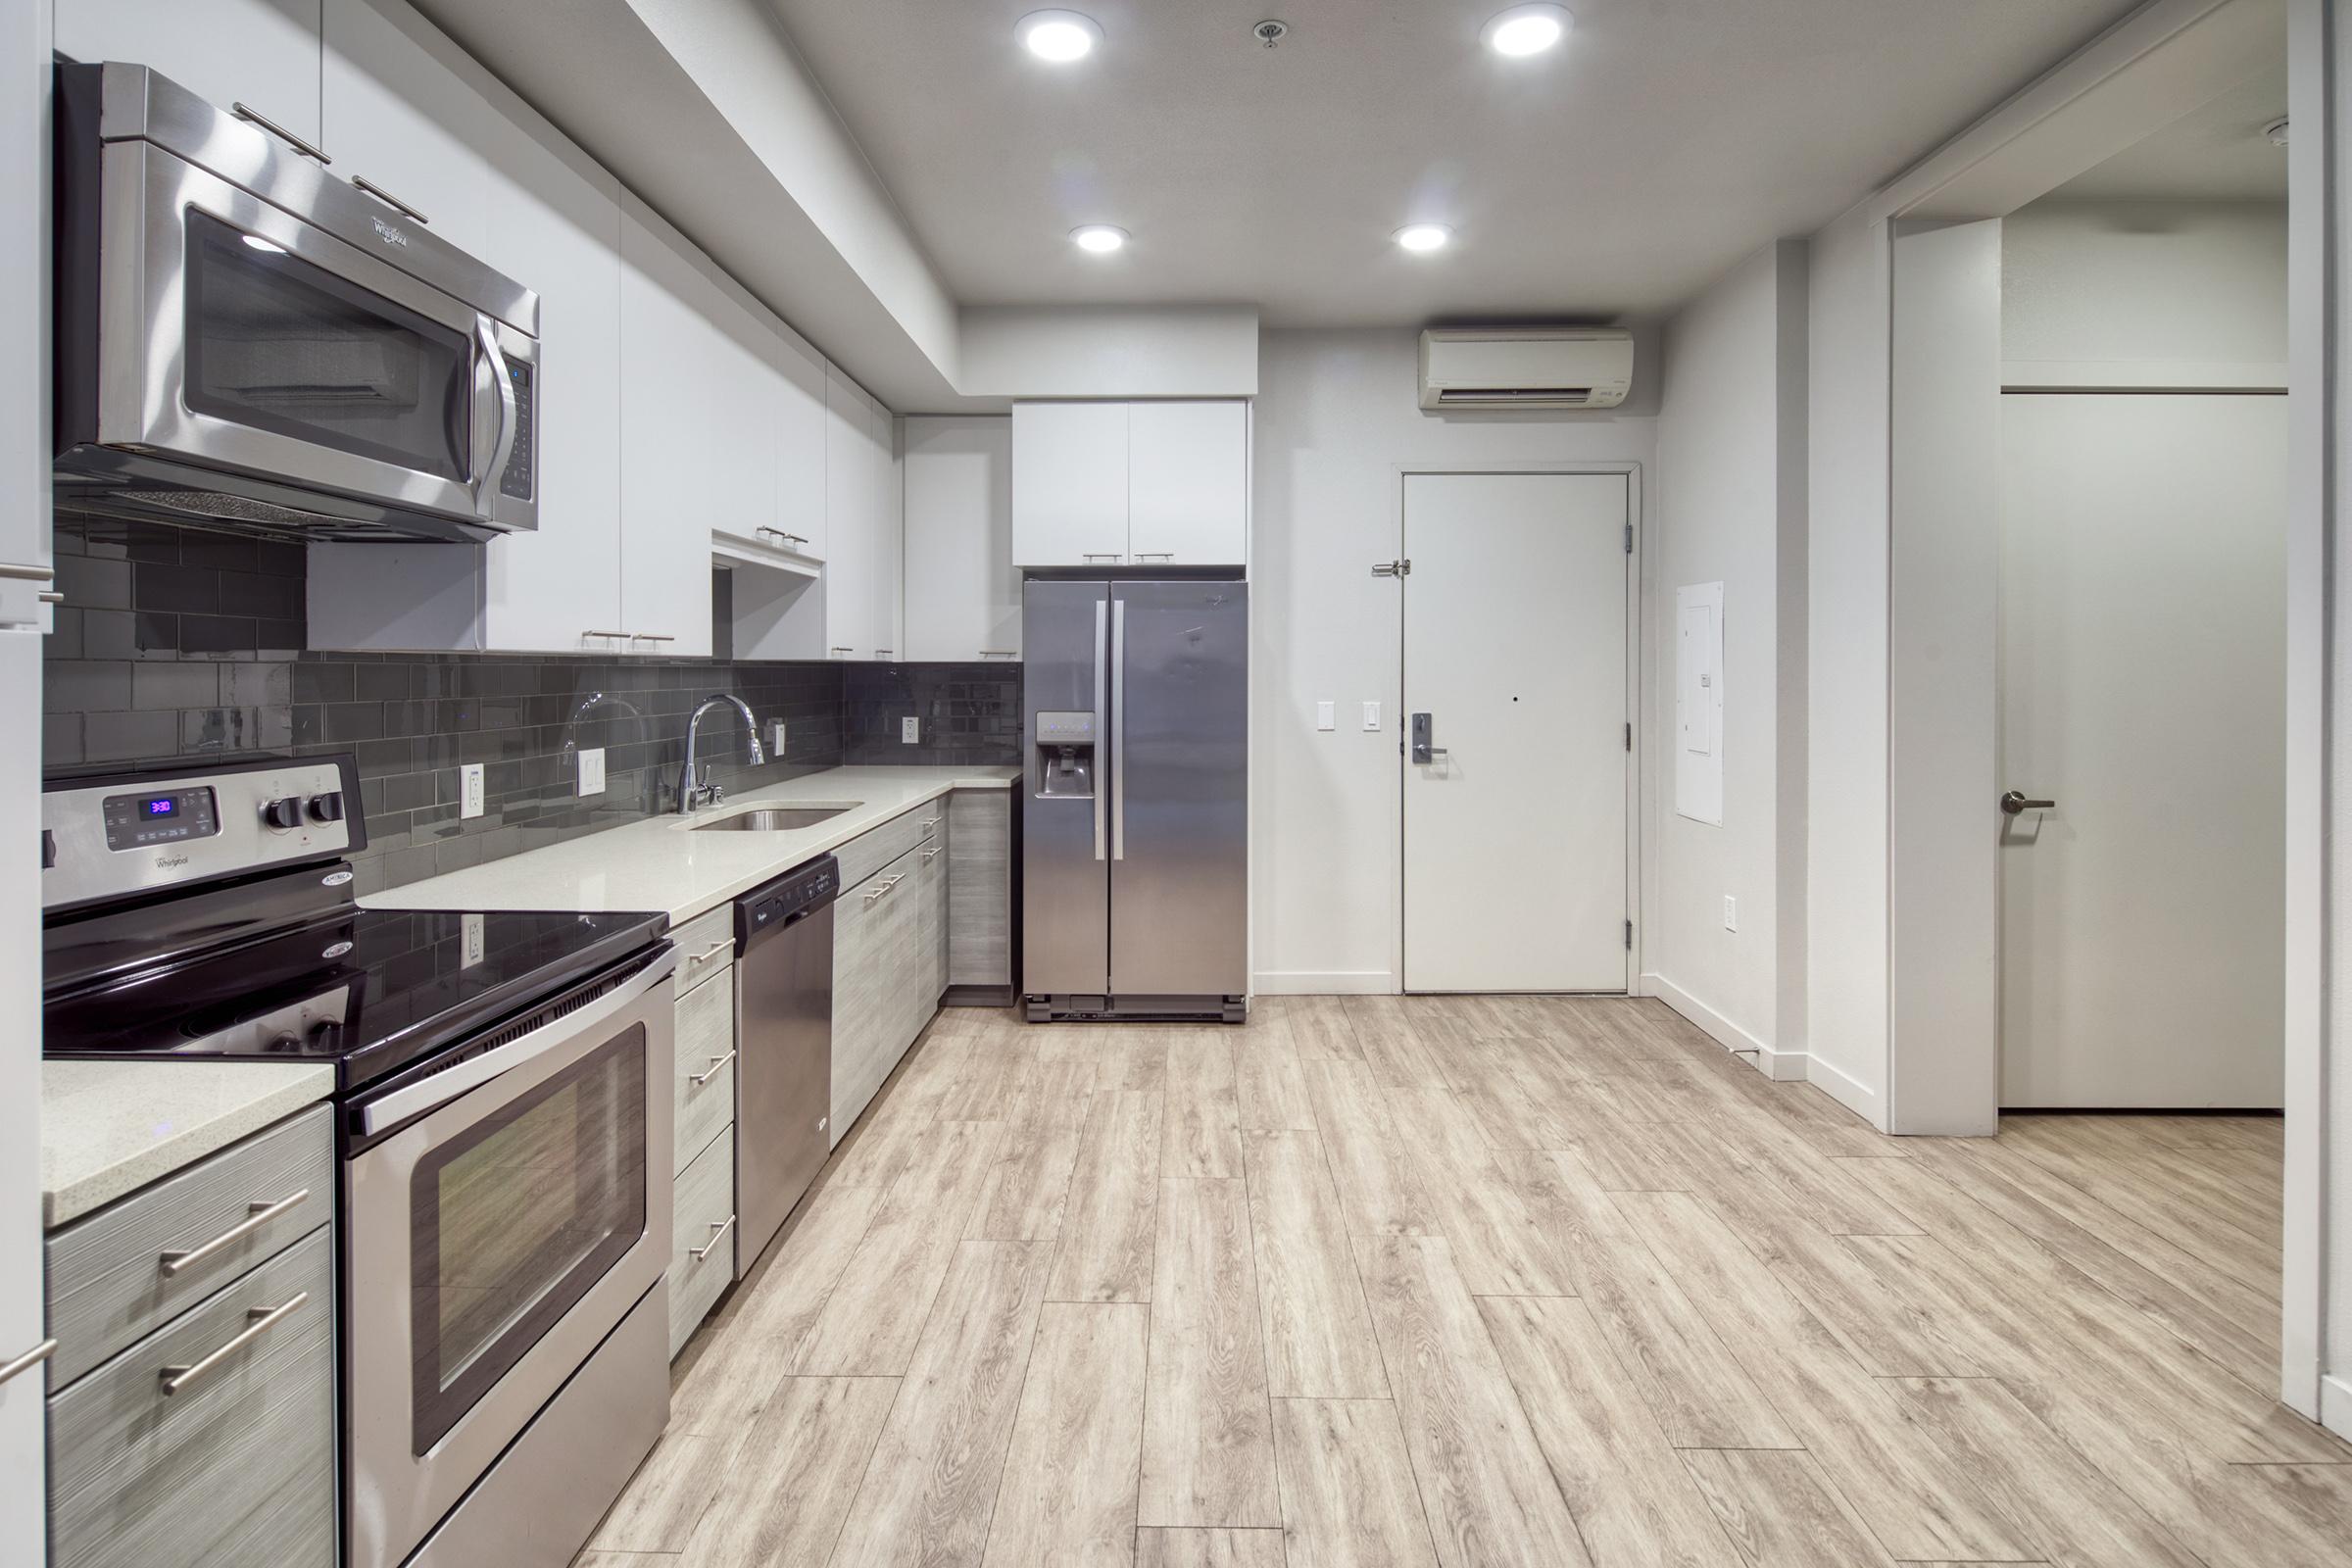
[(246, 342)]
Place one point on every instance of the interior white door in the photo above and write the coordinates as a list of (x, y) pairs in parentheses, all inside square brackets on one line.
[(1515, 646), (2142, 688)]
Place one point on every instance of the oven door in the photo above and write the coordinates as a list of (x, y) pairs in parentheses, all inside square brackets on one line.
[(234, 336), (492, 1242)]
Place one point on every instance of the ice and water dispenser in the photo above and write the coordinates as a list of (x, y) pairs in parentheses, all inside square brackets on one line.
[(1065, 753)]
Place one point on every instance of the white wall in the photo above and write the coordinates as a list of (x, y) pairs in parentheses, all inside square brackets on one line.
[(2137, 294), (1845, 776), (1175, 351), (1730, 441), (2319, 1170), (1337, 413)]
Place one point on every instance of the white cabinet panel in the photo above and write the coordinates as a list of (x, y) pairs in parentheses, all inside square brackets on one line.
[(261, 53), (885, 586), (1188, 483), (800, 430), (669, 486), (396, 113), (964, 593), (1069, 484)]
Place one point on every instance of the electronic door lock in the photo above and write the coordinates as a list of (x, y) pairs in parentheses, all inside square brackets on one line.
[(1423, 753)]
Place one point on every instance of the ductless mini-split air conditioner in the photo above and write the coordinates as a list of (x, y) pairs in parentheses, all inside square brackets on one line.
[(1526, 368)]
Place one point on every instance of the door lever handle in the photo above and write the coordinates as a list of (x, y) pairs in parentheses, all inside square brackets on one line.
[(2014, 804)]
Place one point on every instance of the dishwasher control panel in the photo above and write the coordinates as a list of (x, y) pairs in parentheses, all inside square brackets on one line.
[(790, 896)]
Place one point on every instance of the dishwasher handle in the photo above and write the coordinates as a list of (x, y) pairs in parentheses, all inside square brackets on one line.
[(788, 901)]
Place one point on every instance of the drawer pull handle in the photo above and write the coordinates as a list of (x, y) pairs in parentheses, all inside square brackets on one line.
[(713, 951), (388, 199), (716, 1062), (260, 1320), (48, 1347), (932, 854), (717, 1234), (281, 134), (930, 822), (880, 888), (262, 1212), (604, 634)]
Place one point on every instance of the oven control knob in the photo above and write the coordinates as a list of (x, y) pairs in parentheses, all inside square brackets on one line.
[(283, 814), (327, 807)]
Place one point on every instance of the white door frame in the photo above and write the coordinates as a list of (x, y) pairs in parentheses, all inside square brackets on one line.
[(2109, 94), (1635, 828)]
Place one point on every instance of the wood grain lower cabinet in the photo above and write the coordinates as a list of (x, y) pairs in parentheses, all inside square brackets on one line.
[(704, 1070), (702, 1238), (212, 1439), (980, 888)]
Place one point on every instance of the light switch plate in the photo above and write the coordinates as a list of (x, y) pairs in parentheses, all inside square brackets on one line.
[(1730, 912), (591, 771), (1372, 714), (470, 790), (910, 731), (1326, 715)]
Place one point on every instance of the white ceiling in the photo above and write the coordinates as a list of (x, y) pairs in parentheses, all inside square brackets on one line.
[(2217, 153), (1616, 176)]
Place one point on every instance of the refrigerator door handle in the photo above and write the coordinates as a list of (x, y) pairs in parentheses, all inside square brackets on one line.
[(1118, 729), (1102, 702)]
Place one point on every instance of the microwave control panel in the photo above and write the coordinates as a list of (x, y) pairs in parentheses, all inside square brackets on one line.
[(516, 480)]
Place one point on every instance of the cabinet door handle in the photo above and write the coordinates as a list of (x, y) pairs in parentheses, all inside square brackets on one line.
[(929, 822), (652, 637), (249, 117), (841, 650), (50, 596), (1157, 555), (716, 1062), (713, 950), (388, 199), (996, 652), (604, 634), (259, 1321), (719, 1233), (262, 1212), (1110, 555), (884, 652), (31, 1360)]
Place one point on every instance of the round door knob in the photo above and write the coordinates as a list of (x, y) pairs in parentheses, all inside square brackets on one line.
[(326, 808), (285, 812)]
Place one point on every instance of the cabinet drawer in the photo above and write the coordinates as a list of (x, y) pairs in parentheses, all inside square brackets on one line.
[(865, 856), (706, 1049), (980, 888), (705, 1217), (237, 1467), (706, 946), (108, 1277), (876, 946)]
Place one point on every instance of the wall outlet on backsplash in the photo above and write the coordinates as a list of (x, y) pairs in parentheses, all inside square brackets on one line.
[(775, 740), (470, 790), (911, 731), (591, 771)]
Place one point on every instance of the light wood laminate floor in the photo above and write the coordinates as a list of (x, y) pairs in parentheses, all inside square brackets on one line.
[(1485, 1281)]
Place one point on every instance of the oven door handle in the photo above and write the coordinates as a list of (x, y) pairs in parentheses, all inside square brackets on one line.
[(501, 448), (442, 1087)]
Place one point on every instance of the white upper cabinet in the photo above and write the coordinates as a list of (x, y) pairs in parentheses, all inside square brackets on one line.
[(799, 413), (399, 116), (1137, 484), (1187, 484), (260, 53), (964, 593), (854, 503), (1069, 484), (886, 587), (671, 360)]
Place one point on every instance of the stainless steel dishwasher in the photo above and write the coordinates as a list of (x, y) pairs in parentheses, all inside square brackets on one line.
[(784, 1045)]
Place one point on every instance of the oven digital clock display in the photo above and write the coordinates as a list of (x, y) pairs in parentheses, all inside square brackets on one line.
[(141, 821)]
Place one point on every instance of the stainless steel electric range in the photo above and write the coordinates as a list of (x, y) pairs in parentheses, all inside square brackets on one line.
[(504, 1119)]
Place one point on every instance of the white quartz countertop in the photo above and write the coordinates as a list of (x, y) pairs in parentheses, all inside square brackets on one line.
[(663, 863), (109, 1128)]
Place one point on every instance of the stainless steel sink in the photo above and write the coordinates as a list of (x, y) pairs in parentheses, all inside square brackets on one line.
[(774, 818)]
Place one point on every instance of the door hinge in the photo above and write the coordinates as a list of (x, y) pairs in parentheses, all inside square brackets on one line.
[(1629, 736), (1629, 538), (1392, 568), (1629, 936)]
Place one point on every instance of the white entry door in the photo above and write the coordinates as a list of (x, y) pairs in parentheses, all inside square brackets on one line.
[(1515, 648), (2143, 659)]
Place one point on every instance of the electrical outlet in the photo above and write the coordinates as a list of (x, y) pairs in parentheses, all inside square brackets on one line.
[(910, 731), (1326, 715), (591, 771), (470, 790), (1372, 714), (477, 944), (775, 740), (1730, 912)]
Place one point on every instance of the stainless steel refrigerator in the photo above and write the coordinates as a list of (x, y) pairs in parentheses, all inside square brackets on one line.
[(1135, 853)]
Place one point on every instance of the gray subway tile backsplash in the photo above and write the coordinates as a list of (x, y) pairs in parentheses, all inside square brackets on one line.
[(176, 644)]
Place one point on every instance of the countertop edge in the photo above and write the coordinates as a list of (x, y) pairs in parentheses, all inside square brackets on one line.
[(70, 1196)]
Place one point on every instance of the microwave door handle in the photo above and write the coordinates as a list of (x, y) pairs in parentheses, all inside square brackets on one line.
[(502, 445)]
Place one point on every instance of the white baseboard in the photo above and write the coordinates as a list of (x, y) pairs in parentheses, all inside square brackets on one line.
[(2336, 1405), (1782, 1066), (1849, 1091), (1325, 983)]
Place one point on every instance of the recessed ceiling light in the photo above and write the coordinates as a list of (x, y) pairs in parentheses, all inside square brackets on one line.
[(1099, 238), (1527, 29), (1060, 36), (1424, 237)]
